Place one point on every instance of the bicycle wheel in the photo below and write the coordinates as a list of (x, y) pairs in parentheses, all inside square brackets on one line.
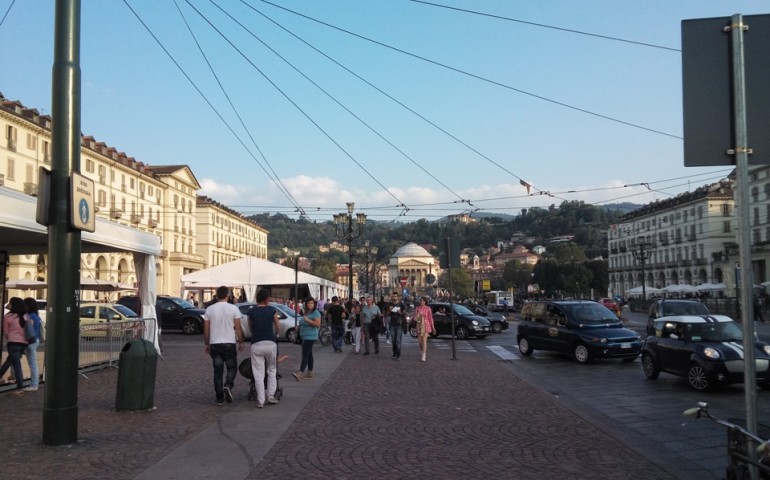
[(325, 335)]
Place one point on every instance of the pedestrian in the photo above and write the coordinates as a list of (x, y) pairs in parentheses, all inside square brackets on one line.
[(309, 325), (264, 321), (32, 316), (321, 304), (371, 318), (757, 308), (337, 314), (16, 342), (221, 332), (396, 313), (193, 300), (355, 326), (383, 306), (423, 318)]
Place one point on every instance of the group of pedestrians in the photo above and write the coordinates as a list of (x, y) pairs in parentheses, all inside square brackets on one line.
[(18, 342), (224, 337)]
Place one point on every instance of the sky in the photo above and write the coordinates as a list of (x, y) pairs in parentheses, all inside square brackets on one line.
[(410, 109)]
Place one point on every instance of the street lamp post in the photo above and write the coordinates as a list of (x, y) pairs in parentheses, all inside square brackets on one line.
[(641, 252), (344, 227)]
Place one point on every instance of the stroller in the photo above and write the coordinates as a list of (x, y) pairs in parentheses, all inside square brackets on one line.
[(245, 368)]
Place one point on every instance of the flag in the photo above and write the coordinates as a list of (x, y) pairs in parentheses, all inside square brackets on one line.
[(525, 185)]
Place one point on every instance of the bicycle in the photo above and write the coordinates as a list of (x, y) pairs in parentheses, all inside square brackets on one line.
[(325, 333), (738, 460)]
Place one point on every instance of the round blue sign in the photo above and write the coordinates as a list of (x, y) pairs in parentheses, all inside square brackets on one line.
[(83, 211)]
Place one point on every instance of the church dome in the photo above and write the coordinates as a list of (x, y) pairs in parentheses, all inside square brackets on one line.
[(411, 250)]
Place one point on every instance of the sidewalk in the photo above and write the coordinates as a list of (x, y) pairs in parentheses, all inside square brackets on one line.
[(361, 416)]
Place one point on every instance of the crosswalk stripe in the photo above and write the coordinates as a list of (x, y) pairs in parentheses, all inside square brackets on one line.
[(502, 352)]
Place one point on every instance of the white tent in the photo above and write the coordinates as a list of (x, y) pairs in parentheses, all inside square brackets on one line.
[(250, 273), (707, 287), (638, 291), (681, 288)]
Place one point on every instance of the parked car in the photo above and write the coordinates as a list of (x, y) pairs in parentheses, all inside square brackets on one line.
[(706, 350), (665, 308), (583, 329), (611, 305), (172, 313), (467, 324), (95, 317), (497, 320), (287, 331)]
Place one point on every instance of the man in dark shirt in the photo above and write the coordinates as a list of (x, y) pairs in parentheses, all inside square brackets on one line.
[(336, 313), (396, 313)]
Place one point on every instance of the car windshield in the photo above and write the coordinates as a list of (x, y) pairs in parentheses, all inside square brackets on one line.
[(684, 308), (714, 332), (125, 311), (283, 308), (591, 314), (181, 302), (460, 310)]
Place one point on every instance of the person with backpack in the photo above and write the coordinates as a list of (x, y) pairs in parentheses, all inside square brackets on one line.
[(32, 316), (16, 342)]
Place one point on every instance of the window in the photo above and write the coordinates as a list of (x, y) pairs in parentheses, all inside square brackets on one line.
[(10, 136), (102, 198), (725, 209), (756, 236), (726, 227), (31, 142), (46, 151), (754, 194), (756, 216), (89, 165), (10, 174)]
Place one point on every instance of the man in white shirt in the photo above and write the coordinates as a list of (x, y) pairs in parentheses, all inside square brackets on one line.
[(221, 331)]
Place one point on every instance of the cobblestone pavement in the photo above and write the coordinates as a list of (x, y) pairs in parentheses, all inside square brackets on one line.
[(371, 416)]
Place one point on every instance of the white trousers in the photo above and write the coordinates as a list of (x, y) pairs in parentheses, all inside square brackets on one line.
[(263, 358)]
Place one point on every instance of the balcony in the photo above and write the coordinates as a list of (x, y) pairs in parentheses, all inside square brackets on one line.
[(2, 179), (152, 223), (123, 188), (136, 219), (30, 189), (116, 213), (11, 145)]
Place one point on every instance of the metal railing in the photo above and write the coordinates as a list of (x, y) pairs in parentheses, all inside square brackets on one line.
[(100, 344)]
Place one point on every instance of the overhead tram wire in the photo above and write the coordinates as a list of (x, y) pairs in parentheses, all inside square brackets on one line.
[(275, 176), (208, 102), (335, 100), (7, 12), (477, 77), (305, 114), (552, 27)]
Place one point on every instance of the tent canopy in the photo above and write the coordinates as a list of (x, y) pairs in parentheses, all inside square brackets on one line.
[(250, 273), (647, 290)]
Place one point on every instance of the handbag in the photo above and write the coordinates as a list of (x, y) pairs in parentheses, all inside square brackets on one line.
[(29, 330)]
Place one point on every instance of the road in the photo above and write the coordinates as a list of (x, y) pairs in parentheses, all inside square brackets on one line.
[(617, 397)]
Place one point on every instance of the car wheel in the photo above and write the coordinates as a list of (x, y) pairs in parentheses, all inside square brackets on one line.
[(581, 353), (524, 347), (651, 370), (189, 326), (497, 327), (291, 335), (461, 333), (698, 378)]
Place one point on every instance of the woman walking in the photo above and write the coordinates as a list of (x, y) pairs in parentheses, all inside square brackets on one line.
[(32, 316), (308, 330), (424, 319), (16, 342)]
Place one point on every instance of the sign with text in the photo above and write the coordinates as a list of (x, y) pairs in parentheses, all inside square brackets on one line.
[(82, 203)]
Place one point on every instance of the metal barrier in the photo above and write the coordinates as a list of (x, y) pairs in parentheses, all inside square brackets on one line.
[(100, 344)]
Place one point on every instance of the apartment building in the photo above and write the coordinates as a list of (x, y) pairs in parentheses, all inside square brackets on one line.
[(161, 200), (689, 239)]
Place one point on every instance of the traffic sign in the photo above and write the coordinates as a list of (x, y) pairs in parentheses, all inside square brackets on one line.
[(430, 279), (402, 281)]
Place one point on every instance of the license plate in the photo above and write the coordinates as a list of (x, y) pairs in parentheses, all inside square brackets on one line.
[(625, 345)]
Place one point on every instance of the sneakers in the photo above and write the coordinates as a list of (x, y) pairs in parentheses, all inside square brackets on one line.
[(272, 400), (220, 403), (423, 357), (259, 405), (228, 395), (298, 375), (30, 389), (309, 375)]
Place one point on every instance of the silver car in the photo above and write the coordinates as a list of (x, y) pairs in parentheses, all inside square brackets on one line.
[(288, 329)]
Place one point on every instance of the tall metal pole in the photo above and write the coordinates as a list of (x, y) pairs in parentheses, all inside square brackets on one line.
[(350, 259), (60, 407), (451, 294), (746, 279)]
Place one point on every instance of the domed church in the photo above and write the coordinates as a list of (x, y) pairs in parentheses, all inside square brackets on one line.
[(415, 263)]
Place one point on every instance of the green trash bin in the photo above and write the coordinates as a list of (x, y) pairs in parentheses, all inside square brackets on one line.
[(136, 376)]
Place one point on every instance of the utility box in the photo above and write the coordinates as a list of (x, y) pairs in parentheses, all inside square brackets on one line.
[(136, 376)]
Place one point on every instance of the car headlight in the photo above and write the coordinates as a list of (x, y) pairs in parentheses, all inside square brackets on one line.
[(599, 340), (766, 349), (475, 323), (711, 353)]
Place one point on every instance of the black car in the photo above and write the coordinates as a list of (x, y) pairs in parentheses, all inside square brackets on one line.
[(707, 350), (172, 313), (467, 324), (583, 329), (666, 308), (497, 320)]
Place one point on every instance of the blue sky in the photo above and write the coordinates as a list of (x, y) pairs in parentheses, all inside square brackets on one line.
[(486, 136)]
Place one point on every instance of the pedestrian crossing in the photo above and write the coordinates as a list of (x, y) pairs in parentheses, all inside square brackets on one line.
[(507, 352)]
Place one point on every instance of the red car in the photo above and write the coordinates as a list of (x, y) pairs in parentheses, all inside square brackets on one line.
[(611, 304)]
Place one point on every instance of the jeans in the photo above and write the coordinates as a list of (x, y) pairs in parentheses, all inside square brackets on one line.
[(395, 337), (307, 356), (15, 350), (369, 333), (263, 359), (34, 375), (338, 334), (223, 354)]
